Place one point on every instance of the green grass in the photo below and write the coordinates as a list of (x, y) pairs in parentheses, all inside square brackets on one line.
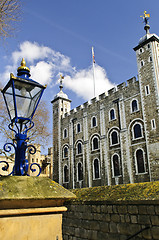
[(127, 192)]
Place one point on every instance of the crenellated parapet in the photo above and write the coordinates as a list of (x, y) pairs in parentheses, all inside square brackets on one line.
[(118, 90)]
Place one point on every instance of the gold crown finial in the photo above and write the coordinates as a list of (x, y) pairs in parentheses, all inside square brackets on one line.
[(23, 66), (23, 63)]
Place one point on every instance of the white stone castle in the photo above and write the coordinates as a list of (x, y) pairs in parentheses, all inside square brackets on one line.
[(112, 139)]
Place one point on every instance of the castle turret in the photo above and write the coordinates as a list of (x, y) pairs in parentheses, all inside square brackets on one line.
[(147, 53), (61, 105)]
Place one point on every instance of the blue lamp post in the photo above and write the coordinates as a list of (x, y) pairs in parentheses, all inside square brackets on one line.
[(22, 96)]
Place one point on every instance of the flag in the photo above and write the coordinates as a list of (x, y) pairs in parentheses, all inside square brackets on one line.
[(93, 55)]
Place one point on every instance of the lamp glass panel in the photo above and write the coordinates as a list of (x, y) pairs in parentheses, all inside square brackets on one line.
[(8, 95), (27, 96)]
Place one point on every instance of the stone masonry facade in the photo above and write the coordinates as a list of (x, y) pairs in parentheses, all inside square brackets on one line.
[(113, 138), (111, 220)]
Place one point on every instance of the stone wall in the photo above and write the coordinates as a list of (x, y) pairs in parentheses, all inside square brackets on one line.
[(111, 220)]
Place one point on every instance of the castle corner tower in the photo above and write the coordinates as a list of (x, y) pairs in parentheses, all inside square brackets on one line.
[(147, 53), (61, 105)]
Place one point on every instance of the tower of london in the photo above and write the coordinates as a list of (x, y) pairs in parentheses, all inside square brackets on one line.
[(113, 138)]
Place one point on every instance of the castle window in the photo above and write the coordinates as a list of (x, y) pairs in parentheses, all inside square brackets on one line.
[(79, 172), (137, 131), (142, 63), (78, 127), (112, 114), (147, 90), (134, 106), (150, 59), (148, 45), (141, 50), (96, 169), (65, 152), (116, 165), (153, 124), (140, 161), (79, 148), (65, 133), (94, 121), (66, 174), (114, 137), (95, 143)]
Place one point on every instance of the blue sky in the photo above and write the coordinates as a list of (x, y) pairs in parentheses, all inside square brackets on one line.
[(55, 37)]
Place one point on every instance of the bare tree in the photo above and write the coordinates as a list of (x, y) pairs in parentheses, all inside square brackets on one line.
[(9, 15), (41, 133)]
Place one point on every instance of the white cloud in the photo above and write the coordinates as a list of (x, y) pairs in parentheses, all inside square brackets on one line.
[(82, 82), (45, 60), (46, 64), (42, 72)]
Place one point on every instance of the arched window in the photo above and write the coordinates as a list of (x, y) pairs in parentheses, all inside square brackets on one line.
[(96, 169), (137, 131), (66, 174), (140, 161), (80, 171), (79, 148), (78, 127), (95, 143), (112, 114), (116, 165), (94, 122), (114, 137), (134, 106), (65, 152), (65, 133)]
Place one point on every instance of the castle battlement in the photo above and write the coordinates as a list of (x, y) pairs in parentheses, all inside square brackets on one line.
[(119, 89)]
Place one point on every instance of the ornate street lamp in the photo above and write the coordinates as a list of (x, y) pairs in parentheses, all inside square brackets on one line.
[(22, 96)]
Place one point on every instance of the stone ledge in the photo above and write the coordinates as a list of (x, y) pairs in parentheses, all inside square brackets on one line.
[(31, 211), (28, 192)]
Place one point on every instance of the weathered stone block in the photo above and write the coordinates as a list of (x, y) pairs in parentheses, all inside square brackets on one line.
[(115, 209), (146, 234), (97, 217), (155, 220), (104, 209), (144, 219), (113, 227), (95, 209), (122, 218), (142, 209), (115, 217), (104, 227), (127, 218), (122, 209), (94, 225), (133, 218), (123, 228), (92, 235), (155, 232), (157, 209), (102, 235), (110, 209), (151, 210), (132, 209), (107, 217)]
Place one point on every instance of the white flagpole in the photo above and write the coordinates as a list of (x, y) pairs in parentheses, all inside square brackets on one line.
[(93, 62)]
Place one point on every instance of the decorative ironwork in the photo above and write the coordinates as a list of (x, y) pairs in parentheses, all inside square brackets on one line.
[(21, 164), (5, 168), (34, 169)]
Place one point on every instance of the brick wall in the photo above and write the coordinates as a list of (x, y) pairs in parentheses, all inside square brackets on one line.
[(111, 220)]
